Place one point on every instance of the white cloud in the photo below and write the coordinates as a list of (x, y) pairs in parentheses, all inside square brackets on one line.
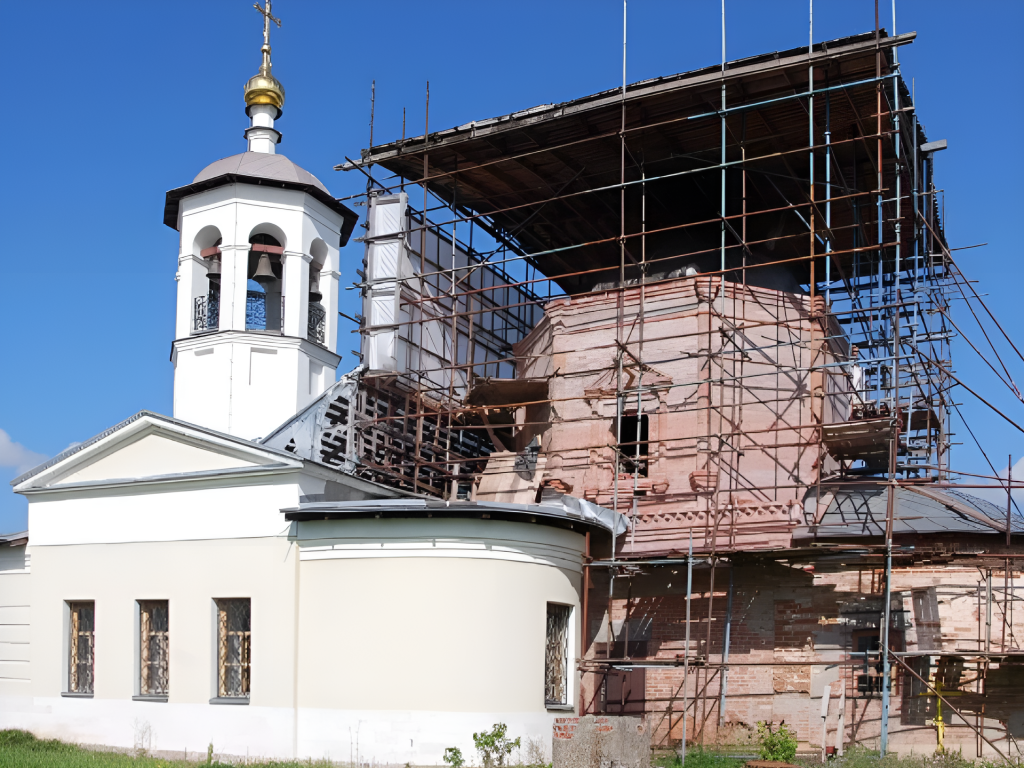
[(16, 455), (998, 495)]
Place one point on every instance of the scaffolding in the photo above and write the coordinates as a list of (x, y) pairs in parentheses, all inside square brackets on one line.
[(792, 197)]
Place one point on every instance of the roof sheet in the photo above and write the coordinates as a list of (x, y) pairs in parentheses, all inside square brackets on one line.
[(548, 177), (560, 507), (260, 165), (260, 169), (861, 512)]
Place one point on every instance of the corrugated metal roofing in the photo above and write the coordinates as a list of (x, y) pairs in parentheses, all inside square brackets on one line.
[(861, 512)]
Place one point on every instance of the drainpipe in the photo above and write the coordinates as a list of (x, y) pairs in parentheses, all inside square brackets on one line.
[(585, 618), (988, 610), (686, 646), (725, 649)]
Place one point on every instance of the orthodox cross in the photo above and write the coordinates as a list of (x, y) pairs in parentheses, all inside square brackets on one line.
[(267, 18)]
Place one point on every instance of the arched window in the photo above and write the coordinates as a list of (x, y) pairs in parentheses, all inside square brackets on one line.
[(264, 306), (316, 326), (206, 305)]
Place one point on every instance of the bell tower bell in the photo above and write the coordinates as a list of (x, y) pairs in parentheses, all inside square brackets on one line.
[(258, 272)]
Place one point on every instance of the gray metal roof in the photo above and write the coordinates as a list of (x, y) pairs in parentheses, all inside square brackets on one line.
[(260, 169), (556, 508), (260, 165), (131, 420), (14, 539), (860, 512)]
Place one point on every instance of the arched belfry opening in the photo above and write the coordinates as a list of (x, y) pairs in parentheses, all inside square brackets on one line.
[(316, 324), (206, 302), (264, 302)]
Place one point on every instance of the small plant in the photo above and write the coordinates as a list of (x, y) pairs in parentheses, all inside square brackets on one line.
[(209, 754), (494, 746), (779, 744), (453, 757), (535, 756)]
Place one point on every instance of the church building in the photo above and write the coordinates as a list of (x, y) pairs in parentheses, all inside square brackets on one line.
[(652, 417), (222, 575)]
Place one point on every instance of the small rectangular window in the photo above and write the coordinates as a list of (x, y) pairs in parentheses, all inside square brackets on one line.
[(81, 663), (633, 444), (154, 647), (556, 656), (233, 648)]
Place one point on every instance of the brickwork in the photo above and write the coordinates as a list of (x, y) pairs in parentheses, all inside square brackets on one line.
[(791, 635), (589, 742), (692, 481)]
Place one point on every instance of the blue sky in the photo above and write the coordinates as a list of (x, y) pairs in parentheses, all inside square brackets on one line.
[(110, 104)]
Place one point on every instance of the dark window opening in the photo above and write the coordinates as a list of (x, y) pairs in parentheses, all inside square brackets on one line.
[(868, 669), (633, 444), (624, 692)]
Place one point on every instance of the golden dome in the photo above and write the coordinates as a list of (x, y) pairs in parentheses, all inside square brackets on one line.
[(264, 88)]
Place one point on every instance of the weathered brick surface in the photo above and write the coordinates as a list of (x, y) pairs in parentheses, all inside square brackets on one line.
[(601, 742), (744, 498), (811, 620)]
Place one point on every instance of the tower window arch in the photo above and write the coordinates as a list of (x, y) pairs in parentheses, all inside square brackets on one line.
[(206, 293), (316, 324), (264, 304)]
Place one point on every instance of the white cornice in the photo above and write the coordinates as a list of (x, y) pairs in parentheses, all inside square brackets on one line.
[(258, 339)]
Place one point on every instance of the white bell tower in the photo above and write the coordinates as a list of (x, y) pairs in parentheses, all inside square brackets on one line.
[(257, 276)]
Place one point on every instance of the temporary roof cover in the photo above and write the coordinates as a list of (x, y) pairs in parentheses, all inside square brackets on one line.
[(861, 512)]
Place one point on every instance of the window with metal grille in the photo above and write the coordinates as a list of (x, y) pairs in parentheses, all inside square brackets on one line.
[(81, 662), (234, 629), (556, 656), (154, 648)]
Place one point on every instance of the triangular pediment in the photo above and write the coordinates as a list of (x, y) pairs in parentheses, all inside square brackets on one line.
[(154, 454), (151, 448)]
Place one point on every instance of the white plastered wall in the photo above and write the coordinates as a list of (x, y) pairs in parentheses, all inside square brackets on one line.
[(435, 629), (415, 633), (15, 614), (187, 541), (189, 575)]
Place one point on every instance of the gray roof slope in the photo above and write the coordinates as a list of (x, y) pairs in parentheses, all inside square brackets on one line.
[(860, 512), (259, 168), (556, 507), (131, 420), (260, 165)]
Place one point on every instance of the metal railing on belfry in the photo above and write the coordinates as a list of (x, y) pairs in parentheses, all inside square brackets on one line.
[(206, 313), (317, 324)]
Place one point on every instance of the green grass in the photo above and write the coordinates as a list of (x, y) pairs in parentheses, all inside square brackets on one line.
[(699, 758), (19, 749), (855, 757)]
